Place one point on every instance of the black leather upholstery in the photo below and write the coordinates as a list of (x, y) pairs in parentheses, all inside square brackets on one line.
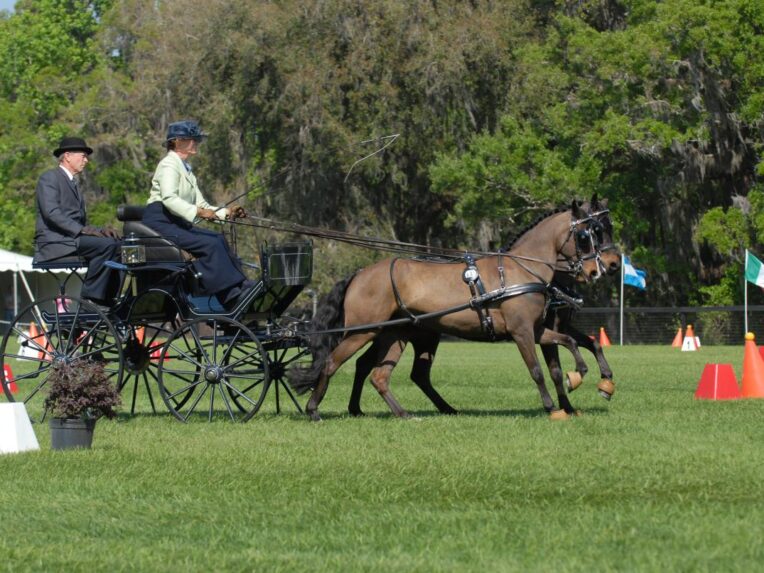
[(158, 248)]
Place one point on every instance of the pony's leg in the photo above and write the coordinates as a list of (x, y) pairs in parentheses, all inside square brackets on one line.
[(556, 320), (526, 344), (425, 344), (552, 359), (606, 386), (380, 379), (363, 367), (379, 360), (337, 358), (553, 337)]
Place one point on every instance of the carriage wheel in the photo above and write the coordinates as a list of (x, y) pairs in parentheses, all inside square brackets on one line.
[(142, 350), (282, 355), (281, 358), (51, 331), (214, 359)]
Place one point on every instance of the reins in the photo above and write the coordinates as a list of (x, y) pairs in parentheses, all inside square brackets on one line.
[(388, 245), (479, 298)]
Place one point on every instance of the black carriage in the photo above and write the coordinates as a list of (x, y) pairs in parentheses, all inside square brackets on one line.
[(204, 359)]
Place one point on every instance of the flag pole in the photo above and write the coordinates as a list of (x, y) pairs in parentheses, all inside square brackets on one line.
[(745, 295), (621, 319)]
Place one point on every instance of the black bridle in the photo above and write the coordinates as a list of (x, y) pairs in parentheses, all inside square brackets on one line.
[(589, 241)]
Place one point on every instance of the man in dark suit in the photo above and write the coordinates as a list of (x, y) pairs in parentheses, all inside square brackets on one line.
[(61, 229)]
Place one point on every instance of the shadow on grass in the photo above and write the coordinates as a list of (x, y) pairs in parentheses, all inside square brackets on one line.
[(503, 413), (128, 417)]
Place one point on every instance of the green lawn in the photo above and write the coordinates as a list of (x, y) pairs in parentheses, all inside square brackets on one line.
[(652, 481)]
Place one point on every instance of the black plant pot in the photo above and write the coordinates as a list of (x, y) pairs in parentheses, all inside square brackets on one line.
[(68, 433)]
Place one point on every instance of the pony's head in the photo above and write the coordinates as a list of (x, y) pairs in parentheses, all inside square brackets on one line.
[(589, 250), (609, 255)]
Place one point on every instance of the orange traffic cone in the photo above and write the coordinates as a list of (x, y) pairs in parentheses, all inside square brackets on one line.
[(36, 340), (156, 351), (677, 339), (718, 382), (753, 370), (604, 340), (689, 344), (9, 380)]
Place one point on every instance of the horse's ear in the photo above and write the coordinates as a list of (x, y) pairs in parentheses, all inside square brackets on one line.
[(595, 202), (575, 209)]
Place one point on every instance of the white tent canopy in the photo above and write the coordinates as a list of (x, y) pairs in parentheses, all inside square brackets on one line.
[(18, 265), (15, 262)]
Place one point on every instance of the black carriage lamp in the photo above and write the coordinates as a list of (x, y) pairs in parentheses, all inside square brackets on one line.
[(133, 253)]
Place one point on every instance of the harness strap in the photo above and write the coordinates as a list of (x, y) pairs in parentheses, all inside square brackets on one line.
[(397, 294), (504, 293), (494, 295), (560, 298), (471, 276)]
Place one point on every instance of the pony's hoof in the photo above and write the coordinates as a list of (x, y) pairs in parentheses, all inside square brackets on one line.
[(356, 414), (606, 388), (573, 380), (559, 415), (314, 416)]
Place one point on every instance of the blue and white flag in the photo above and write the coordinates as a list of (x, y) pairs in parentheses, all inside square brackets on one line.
[(632, 275)]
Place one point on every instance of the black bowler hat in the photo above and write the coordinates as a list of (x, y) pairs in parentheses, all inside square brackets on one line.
[(186, 129), (72, 144)]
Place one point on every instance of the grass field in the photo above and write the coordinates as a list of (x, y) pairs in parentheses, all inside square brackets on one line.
[(652, 481)]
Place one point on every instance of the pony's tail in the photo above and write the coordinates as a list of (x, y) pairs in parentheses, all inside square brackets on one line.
[(331, 314)]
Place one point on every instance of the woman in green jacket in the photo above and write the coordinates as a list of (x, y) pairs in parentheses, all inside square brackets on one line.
[(175, 202)]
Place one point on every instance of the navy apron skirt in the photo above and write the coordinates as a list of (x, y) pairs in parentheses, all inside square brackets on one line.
[(220, 269)]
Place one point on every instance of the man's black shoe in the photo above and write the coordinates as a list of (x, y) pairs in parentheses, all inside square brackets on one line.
[(235, 298)]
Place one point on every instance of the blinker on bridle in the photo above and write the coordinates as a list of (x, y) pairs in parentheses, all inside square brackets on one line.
[(588, 241)]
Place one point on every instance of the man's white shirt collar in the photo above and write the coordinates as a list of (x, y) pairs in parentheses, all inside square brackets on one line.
[(69, 174)]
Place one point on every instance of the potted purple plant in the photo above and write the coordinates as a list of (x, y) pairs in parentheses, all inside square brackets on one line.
[(78, 394)]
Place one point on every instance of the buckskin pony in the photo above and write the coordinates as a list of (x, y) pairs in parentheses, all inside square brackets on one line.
[(433, 296)]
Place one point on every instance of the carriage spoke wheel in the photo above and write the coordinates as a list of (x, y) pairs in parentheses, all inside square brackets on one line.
[(214, 359), (283, 355), (50, 331), (142, 350)]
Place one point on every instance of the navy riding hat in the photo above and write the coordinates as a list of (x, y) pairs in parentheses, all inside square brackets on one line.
[(72, 144), (186, 129)]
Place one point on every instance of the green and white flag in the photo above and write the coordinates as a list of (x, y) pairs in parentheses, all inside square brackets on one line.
[(754, 270)]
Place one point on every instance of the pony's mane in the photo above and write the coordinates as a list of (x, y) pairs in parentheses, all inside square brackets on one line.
[(535, 222)]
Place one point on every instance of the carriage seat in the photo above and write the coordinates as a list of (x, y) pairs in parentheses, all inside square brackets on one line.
[(70, 262), (158, 248)]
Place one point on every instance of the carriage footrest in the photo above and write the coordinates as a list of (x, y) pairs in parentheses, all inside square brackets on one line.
[(206, 304)]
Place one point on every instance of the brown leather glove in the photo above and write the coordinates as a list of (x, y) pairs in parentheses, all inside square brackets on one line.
[(207, 214), (236, 212)]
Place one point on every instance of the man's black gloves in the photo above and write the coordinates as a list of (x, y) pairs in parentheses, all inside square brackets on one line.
[(92, 231), (111, 233), (106, 232)]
